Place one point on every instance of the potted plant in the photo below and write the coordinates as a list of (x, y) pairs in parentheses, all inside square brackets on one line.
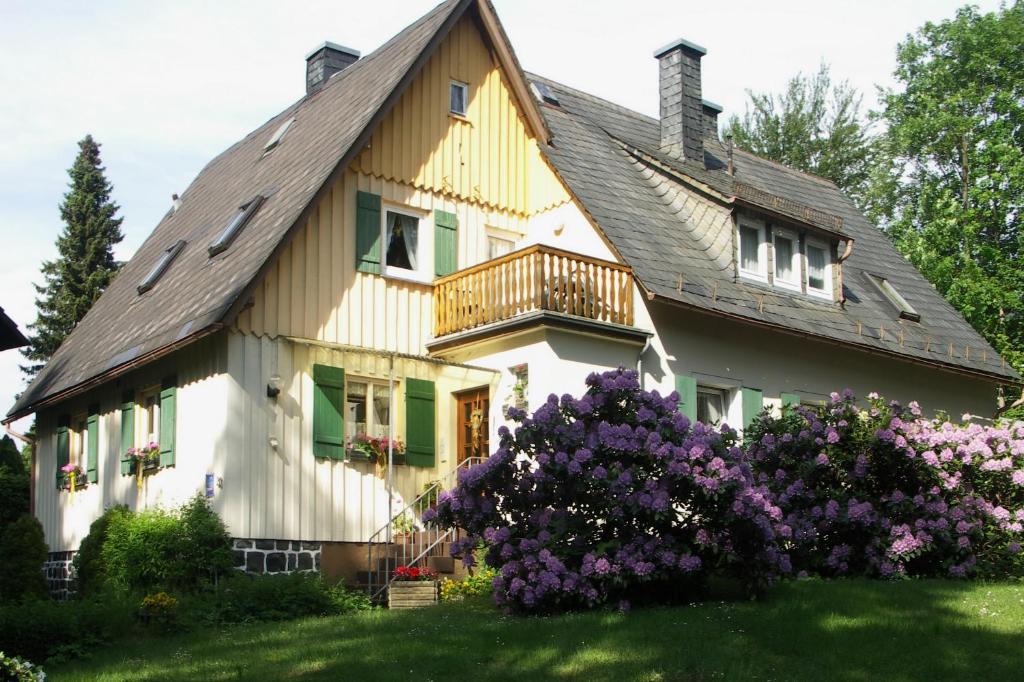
[(412, 587), (145, 460), (72, 478), (402, 526), (366, 448)]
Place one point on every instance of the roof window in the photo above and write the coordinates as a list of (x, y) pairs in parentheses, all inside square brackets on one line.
[(543, 93), (161, 266), (906, 310), (238, 221), (276, 138)]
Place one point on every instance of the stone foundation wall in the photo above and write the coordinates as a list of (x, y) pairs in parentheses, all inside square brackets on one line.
[(59, 574), (276, 556)]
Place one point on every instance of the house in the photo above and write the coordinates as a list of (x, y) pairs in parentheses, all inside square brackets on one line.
[(10, 336), (431, 235)]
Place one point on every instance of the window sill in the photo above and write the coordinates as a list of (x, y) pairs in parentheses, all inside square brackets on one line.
[(407, 276), (461, 118)]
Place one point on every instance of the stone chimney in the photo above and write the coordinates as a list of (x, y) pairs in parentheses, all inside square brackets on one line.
[(325, 61), (711, 112), (682, 110)]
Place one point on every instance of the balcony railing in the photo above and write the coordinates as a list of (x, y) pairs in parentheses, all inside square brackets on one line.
[(537, 278)]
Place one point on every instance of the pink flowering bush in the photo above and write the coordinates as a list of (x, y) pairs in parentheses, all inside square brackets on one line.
[(885, 492), (609, 495)]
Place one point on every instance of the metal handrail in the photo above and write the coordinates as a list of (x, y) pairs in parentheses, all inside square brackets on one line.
[(415, 547)]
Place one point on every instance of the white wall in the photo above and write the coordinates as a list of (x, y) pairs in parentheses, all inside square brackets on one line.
[(201, 410)]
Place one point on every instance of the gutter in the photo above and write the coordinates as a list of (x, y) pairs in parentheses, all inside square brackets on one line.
[(112, 373), (651, 296)]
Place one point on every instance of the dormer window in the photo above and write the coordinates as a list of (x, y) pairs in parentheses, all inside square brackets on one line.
[(150, 280), (787, 259), (905, 310), (235, 225), (753, 256), (458, 98), (819, 269)]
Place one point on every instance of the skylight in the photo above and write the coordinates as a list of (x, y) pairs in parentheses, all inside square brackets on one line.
[(238, 221), (276, 138), (545, 94), (161, 266), (894, 297)]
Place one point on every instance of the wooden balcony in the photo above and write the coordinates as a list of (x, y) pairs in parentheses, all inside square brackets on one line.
[(535, 279)]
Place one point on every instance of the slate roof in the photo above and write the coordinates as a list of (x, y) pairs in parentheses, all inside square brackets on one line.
[(10, 337), (644, 201), (598, 149)]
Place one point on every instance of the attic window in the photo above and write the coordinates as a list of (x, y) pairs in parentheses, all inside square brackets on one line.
[(161, 266), (894, 297), (276, 138), (459, 98), (238, 221), (543, 93)]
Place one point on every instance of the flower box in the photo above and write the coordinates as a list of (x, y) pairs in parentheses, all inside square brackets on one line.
[(411, 594)]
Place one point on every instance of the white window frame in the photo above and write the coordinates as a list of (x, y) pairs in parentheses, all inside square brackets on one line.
[(795, 260), (761, 274), (827, 292), (452, 84), (372, 387), (143, 436), (722, 393), (425, 253), (498, 233), (78, 432)]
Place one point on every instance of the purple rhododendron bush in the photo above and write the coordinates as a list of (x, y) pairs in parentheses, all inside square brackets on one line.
[(885, 492), (610, 497)]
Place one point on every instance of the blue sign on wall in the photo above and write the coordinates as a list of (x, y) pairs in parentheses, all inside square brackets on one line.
[(209, 485)]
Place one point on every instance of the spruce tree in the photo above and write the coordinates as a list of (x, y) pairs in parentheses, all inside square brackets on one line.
[(85, 264)]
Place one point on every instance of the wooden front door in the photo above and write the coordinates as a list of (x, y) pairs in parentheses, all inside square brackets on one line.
[(474, 409)]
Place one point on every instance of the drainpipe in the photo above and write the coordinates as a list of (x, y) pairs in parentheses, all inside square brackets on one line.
[(32, 472), (391, 441)]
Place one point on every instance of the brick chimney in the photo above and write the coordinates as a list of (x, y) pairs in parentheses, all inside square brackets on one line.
[(325, 61), (682, 110)]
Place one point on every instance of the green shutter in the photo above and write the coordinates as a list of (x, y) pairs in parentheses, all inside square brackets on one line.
[(446, 243), (92, 445), (686, 387), (789, 400), (753, 403), (127, 432), (63, 448), (368, 228), (420, 415), (328, 412), (168, 420)]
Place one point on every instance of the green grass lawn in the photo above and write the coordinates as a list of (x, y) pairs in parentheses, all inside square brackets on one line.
[(808, 630)]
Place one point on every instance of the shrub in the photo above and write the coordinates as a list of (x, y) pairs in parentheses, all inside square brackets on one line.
[(247, 598), (90, 569), (13, 669), (161, 610), (600, 497), (481, 583), (884, 492), (22, 554), (53, 631), (156, 549), (14, 483)]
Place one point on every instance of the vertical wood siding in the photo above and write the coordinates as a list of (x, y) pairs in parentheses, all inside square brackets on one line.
[(488, 157), (288, 493), (200, 416), (314, 291)]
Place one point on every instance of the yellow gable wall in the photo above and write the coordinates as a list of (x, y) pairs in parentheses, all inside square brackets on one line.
[(488, 157), (314, 291)]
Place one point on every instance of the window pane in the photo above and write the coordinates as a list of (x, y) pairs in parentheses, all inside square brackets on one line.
[(381, 411), (355, 409), (750, 239), (816, 268), (710, 407), (498, 247), (784, 259), (458, 98), (403, 240)]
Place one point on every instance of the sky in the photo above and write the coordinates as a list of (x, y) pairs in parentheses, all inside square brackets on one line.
[(165, 86)]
